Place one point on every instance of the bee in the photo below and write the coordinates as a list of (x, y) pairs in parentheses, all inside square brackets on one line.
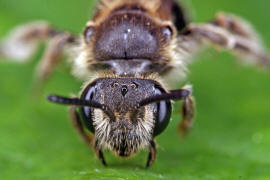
[(128, 54)]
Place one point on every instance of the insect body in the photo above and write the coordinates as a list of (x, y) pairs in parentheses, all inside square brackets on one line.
[(132, 47)]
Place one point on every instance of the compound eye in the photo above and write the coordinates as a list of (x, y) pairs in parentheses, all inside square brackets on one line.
[(163, 113), (86, 112), (88, 34), (167, 33)]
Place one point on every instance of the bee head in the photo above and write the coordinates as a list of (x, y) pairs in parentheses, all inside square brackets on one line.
[(124, 113)]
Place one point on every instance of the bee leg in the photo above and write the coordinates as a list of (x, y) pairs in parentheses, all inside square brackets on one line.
[(152, 154), (88, 138), (99, 154), (236, 25), (239, 39), (77, 123), (23, 41), (187, 112), (52, 56)]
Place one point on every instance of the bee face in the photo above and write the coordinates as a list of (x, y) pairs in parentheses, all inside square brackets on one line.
[(131, 127)]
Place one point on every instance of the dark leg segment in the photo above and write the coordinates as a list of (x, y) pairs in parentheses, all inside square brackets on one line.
[(152, 154), (187, 111), (88, 138), (99, 154), (77, 123)]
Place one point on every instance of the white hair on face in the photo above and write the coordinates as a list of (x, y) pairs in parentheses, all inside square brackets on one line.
[(143, 131)]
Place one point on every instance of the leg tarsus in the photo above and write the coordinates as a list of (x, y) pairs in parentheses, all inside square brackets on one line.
[(101, 157), (152, 154), (99, 154), (187, 111)]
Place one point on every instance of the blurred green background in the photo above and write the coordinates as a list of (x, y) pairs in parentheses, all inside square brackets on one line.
[(230, 139)]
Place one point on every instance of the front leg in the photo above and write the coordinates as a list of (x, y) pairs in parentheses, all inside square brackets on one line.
[(88, 138), (152, 154), (99, 153), (187, 111), (78, 125)]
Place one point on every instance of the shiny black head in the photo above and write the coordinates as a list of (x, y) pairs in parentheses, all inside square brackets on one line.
[(124, 113)]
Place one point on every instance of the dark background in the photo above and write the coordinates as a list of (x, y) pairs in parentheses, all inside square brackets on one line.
[(230, 139)]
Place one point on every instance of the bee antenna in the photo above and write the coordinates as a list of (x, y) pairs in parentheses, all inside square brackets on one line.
[(172, 95), (81, 102)]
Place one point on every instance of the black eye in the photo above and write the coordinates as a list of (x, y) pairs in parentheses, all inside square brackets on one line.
[(88, 33), (163, 114), (86, 112), (167, 33)]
